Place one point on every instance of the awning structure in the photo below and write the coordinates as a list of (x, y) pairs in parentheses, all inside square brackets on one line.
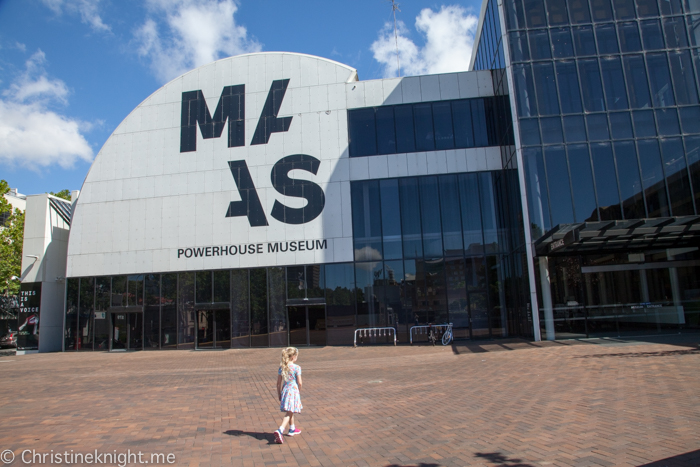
[(619, 236)]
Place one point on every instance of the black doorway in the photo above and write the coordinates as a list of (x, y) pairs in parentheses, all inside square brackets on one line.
[(307, 325)]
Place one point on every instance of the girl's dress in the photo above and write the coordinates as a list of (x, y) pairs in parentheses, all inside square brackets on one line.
[(291, 400)]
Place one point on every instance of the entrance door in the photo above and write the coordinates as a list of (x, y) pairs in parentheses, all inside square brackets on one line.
[(127, 331), (307, 325), (213, 329)]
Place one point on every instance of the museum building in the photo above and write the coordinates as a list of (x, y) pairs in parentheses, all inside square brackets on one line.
[(274, 199)]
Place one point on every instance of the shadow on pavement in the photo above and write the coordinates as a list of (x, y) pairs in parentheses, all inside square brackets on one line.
[(689, 459), (422, 464), (501, 460), (269, 437), (664, 353)]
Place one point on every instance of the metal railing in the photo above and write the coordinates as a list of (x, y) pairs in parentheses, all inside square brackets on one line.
[(423, 329), (373, 332)]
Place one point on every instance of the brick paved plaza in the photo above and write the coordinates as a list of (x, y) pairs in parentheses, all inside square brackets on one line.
[(495, 403)]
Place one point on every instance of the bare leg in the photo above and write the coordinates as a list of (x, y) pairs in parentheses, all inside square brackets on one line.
[(291, 419), (285, 420)]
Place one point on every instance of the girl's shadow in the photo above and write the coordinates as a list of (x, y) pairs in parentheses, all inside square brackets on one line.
[(269, 437)]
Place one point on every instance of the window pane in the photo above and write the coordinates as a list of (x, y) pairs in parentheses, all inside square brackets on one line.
[(258, 308), (515, 17), (677, 177), (391, 218), (644, 124), (410, 218), (405, 137), (538, 199), (637, 84), (647, 8), (488, 212), (568, 88), (551, 130), (653, 178), (582, 183), (430, 217), (690, 119), (525, 91), (660, 80), (168, 312), (607, 39), (423, 119), (519, 49), (222, 286), (694, 28), (630, 183), (366, 220), (559, 187), (574, 129), (621, 125), (86, 313), (683, 79), (386, 134), (203, 287), (562, 46), (534, 13), (667, 120), (605, 181), (152, 310), (590, 82), (601, 10), (367, 275), (340, 303), (674, 32), (692, 148), (624, 9), (444, 134), (651, 35), (629, 37), (530, 132), (185, 310), (578, 11), (583, 40), (471, 214), (539, 45), (462, 116), (277, 306), (597, 127), (691, 6), (546, 88), (451, 219), (362, 134), (556, 12), (615, 92), (481, 137), (670, 7)]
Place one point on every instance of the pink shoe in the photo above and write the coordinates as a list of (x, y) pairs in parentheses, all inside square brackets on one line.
[(279, 439), (296, 431)]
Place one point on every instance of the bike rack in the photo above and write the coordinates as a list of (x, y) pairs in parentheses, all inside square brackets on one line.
[(423, 329), (373, 332)]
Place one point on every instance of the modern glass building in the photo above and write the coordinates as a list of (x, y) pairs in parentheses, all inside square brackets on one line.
[(551, 192)]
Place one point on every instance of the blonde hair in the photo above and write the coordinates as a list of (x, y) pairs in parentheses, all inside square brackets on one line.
[(287, 356)]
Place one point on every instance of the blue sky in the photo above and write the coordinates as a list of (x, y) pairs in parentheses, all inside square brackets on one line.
[(72, 70)]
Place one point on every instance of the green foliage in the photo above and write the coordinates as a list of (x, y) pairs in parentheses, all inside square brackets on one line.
[(65, 194), (11, 239)]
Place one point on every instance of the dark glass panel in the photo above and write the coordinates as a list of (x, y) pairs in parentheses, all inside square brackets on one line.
[(607, 39), (534, 13), (398, 315), (102, 300), (674, 33), (630, 182), (120, 291), (629, 37), (574, 129), (647, 8), (369, 278), (677, 177), (637, 84), (277, 305), (644, 123), (391, 218), (471, 213), (86, 313), (70, 333), (386, 133), (613, 79), (605, 181), (621, 125), (168, 312), (258, 308), (691, 6), (540, 48), (582, 183), (652, 39), (430, 217), (457, 295), (692, 149), (562, 45), (423, 120), (690, 119), (475, 274), (660, 80), (667, 119), (515, 17), (411, 287), (546, 88), (694, 28), (496, 290), (315, 281), (444, 132), (597, 127), (340, 303), (222, 286), (203, 289), (584, 41), (519, 49), (624, 9), (591, 87), (296, 282), (556, 12), (185, 309), (551, 130), (410, 218), (240, 315), (151, 312), (462, 117), (362, 132), (569, 91), (405, 136), (559, 185), (488, 212), (481, 137), (451, 219), (525, 91), (602, 11), (653, 178), (670, 7), (530, 132), (578, 11), (538, 200), (683, 79), (366, 220)]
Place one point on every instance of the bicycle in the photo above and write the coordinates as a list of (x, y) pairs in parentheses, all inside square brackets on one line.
[(447, 336)]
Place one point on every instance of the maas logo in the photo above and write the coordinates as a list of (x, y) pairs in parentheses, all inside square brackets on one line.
[(231, 108)]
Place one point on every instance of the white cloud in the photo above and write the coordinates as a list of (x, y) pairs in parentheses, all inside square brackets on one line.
[(33, 135), (181, 35), (87, 9), (449, 38)]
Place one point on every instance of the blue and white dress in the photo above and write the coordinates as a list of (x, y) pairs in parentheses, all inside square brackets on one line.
[(291, 400)]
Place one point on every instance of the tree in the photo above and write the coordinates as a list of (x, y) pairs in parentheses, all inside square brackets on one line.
[(65, 194), (11, 239)]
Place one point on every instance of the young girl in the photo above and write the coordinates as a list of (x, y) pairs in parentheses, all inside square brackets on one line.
[(288, 386)]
